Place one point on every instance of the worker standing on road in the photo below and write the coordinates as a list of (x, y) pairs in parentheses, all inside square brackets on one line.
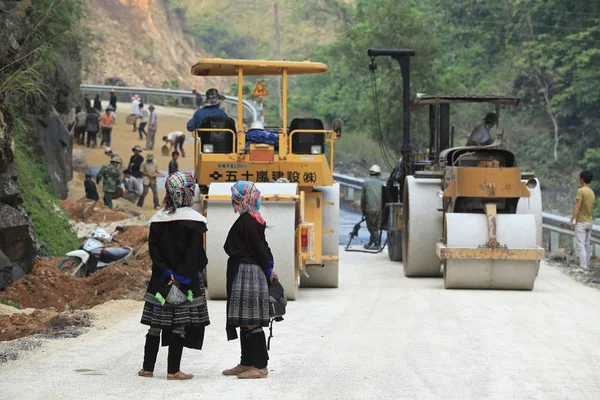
[(249, 270), (110, 175), (210, 108), (92, 126), (98, 104), (113, 99), (173, 166), (135, 162), (582, 214), (149, 169), (107, 122), (197, 98), (152, 127), (481, 135), (135, 110), (80, 117), (175, 298), (370, 204)]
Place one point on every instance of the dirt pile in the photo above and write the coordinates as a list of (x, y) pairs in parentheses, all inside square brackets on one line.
[(48, 322), (90, 211)]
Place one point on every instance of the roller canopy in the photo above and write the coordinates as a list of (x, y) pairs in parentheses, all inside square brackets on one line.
[(221, 67), (423, 100)]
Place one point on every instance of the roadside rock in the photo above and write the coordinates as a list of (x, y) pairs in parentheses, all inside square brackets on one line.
[(57, 145), (16, 242)]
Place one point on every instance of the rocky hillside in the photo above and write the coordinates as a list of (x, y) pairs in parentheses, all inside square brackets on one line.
[(143, 43)]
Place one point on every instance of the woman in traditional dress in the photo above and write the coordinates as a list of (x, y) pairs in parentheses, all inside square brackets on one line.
[(175, 299), (249, 269)]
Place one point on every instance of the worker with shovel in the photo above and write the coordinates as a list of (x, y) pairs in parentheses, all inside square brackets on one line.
[(370, 204)]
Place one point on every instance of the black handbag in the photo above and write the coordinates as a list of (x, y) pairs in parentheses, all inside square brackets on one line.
[(277, 304)]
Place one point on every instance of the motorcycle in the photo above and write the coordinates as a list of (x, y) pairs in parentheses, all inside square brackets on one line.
[(94, 254)]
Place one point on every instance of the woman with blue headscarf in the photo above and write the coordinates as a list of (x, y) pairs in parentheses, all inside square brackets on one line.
[(175, 301), (249, 268)]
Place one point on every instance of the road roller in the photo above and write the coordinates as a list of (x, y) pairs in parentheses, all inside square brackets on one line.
[(468, 214), (293, 171)]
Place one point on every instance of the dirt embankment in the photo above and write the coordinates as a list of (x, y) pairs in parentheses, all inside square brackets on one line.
[(55, 295), (143, 43)]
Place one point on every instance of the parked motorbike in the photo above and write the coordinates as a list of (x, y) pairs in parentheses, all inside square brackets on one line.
[(95, 253)]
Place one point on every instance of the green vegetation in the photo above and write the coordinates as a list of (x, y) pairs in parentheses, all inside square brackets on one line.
[(145, 52), (7, 302), (49, 43), (546, 52), (50, 222)]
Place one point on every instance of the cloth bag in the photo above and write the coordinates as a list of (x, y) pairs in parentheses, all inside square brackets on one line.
[(175, 296)]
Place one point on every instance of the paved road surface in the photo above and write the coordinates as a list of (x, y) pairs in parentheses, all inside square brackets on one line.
[(379, 336)]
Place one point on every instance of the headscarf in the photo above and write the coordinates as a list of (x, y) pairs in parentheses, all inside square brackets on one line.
[(180, 188), (245, 198)]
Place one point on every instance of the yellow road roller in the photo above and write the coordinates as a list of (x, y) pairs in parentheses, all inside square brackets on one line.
[(468, 214), (299, 198)]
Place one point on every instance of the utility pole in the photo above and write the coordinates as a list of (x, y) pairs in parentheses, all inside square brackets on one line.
[(277, 51)]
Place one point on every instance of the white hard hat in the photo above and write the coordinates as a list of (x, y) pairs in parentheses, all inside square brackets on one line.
[(375, 169), (256, 124)]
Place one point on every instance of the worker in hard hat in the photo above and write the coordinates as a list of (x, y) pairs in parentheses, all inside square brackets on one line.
[(482, 135), (370, 204), (257, 135)]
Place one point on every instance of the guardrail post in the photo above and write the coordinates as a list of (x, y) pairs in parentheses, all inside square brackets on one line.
[(163, 100), (179, 101), (554, 241)]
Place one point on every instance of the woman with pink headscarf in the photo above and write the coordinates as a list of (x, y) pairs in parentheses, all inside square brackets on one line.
[(249, 269)]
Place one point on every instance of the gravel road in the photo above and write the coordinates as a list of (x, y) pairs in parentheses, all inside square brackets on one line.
[(379, 336)]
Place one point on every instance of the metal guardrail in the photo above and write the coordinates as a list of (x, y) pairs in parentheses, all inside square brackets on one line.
[(550, 222), (348, 181), (249, 107)]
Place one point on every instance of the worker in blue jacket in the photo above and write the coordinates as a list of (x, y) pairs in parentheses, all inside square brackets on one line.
[(210, 108)]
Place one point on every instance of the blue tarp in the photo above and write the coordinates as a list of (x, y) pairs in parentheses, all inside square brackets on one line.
[(258, 136)]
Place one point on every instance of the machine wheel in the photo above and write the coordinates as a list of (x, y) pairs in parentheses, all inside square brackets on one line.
[(533, 205), (280, 234), (394, 245), (68, 265), (328, 275), (422, 227)]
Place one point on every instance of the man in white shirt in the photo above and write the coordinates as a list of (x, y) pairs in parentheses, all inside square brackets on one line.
[(135, 109), (176, 139)]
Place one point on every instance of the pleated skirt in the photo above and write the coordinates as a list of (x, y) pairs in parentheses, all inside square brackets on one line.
[(249, 300)]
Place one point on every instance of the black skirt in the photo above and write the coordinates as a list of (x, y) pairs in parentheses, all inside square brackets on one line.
[(249, 300)]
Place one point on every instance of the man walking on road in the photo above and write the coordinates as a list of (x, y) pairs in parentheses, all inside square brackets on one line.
[(152, 127), (370, 204), (582, 214), (80, 117), (144, 118), (149, 171), (111, 177)]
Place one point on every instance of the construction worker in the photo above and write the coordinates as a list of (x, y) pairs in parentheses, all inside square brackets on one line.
[(110, 174), (370, 204), (149, 170), (113, 99), (481, 135), (210, 108), (152, 127), (582, 214)]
